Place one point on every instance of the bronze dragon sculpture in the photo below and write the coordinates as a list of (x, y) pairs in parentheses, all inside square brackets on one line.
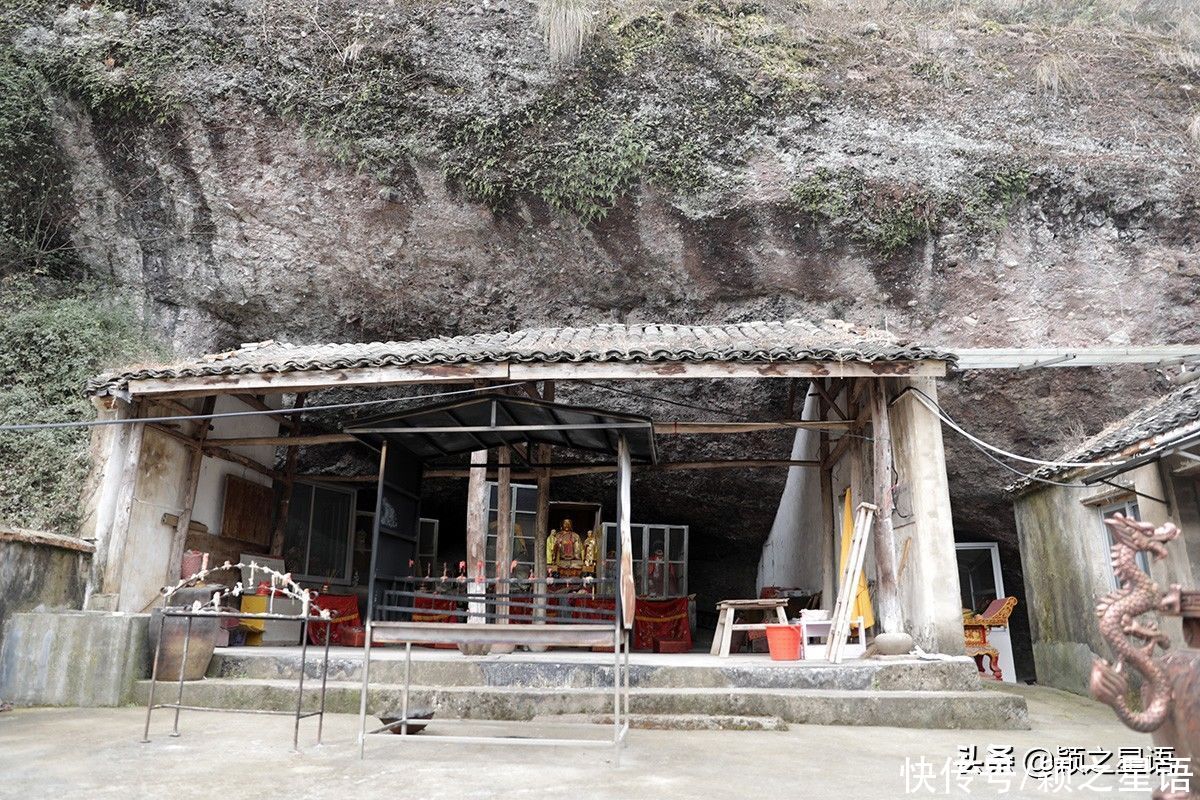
[(1170, 697)]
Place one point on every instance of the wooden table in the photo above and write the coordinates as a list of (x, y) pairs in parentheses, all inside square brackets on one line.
[(728, 610)]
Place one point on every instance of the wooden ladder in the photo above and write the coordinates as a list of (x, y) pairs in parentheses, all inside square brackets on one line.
[(864, 517)]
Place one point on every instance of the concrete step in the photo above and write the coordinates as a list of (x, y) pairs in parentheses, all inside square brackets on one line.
[(899, 708), (577, 670), (677, 722)]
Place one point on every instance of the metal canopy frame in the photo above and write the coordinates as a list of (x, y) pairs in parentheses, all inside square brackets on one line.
[(476, 631), (498, 420)]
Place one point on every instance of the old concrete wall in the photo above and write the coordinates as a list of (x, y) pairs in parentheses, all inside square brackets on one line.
[(40, 570), (1065, 553), (73, 658), (926, 558)]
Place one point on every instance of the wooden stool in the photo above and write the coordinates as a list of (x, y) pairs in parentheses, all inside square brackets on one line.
[(726, 625)]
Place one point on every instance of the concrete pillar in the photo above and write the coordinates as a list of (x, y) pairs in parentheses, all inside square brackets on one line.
[(108, 498), (928, 568)]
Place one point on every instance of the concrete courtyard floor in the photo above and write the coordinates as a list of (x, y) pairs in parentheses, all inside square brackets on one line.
[(95, 753)]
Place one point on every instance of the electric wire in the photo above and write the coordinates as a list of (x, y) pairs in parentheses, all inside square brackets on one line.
[(933, 406), (93, 423), (978, 445)]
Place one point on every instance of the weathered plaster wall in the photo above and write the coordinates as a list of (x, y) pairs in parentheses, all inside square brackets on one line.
[(39, 570), (793, 554), (163, 466), (210, 493), (1065, 552), (164, 463)]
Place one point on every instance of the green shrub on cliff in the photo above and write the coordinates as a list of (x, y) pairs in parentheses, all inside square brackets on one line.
[(49, 346)]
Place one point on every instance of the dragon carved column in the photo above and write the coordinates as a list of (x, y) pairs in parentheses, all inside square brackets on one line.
[(1170, 697)]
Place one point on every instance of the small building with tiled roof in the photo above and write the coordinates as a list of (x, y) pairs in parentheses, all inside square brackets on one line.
[(201, 454), (1146, 465)]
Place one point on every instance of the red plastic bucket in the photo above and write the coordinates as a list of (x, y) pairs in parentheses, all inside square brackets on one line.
[(784, 642)]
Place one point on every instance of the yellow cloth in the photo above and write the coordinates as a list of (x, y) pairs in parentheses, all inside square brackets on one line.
[(862, 599)]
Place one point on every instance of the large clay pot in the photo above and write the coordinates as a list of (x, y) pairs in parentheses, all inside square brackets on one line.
[(174, 631)]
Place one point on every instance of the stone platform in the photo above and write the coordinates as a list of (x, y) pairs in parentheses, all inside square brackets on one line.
[(902, 692)]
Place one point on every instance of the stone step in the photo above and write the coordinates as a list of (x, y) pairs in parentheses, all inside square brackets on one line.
[(899, 708), (437, 668), (678, 722)]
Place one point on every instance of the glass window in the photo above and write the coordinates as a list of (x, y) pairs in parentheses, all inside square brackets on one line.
[(659, 558), (1130, 509), (524, 504), (318, 534)]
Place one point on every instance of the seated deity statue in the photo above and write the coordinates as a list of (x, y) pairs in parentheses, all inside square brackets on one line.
[(569, 547)]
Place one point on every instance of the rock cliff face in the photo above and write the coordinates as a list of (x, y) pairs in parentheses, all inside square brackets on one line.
[(240, 170)]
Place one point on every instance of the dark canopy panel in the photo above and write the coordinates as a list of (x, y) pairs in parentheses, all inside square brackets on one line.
[(484, 422)]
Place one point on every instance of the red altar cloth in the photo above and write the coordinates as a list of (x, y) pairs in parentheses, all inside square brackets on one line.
[(581, 602), (434, 604), (660, 619), (653, 620), (343, 612)]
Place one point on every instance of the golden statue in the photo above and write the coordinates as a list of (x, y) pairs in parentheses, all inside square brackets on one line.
[(551, 550), (590, 548), (568, 548)]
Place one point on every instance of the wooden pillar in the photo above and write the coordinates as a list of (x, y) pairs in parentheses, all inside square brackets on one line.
[(542, 521), (477, 492), (504, 532), (625, 587), (891, 618), (123, 507), (188, 500), (289, 483)]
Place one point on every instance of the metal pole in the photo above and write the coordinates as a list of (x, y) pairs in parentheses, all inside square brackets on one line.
[(362, 700), (324, 680), (627, 643), (300, 689), (187, 640), (153, 677), (616, 690), (407, 680)]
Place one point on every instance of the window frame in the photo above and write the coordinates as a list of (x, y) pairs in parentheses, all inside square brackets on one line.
[(997, 574), (346, 578), (1123, 505)]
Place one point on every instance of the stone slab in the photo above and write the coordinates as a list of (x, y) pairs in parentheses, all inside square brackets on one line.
[(583, 670)]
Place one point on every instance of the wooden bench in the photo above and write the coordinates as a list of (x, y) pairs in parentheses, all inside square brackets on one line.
[(470, 633), (728, 609)]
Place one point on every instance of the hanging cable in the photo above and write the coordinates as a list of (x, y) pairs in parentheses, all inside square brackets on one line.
[(41, 426), (932, 405)]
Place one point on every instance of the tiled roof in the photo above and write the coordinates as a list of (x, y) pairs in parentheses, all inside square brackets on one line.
[(1169, 417), (770, 341)]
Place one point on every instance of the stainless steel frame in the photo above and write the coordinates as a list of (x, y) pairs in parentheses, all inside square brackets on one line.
[(178, 705), (410, 633)]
